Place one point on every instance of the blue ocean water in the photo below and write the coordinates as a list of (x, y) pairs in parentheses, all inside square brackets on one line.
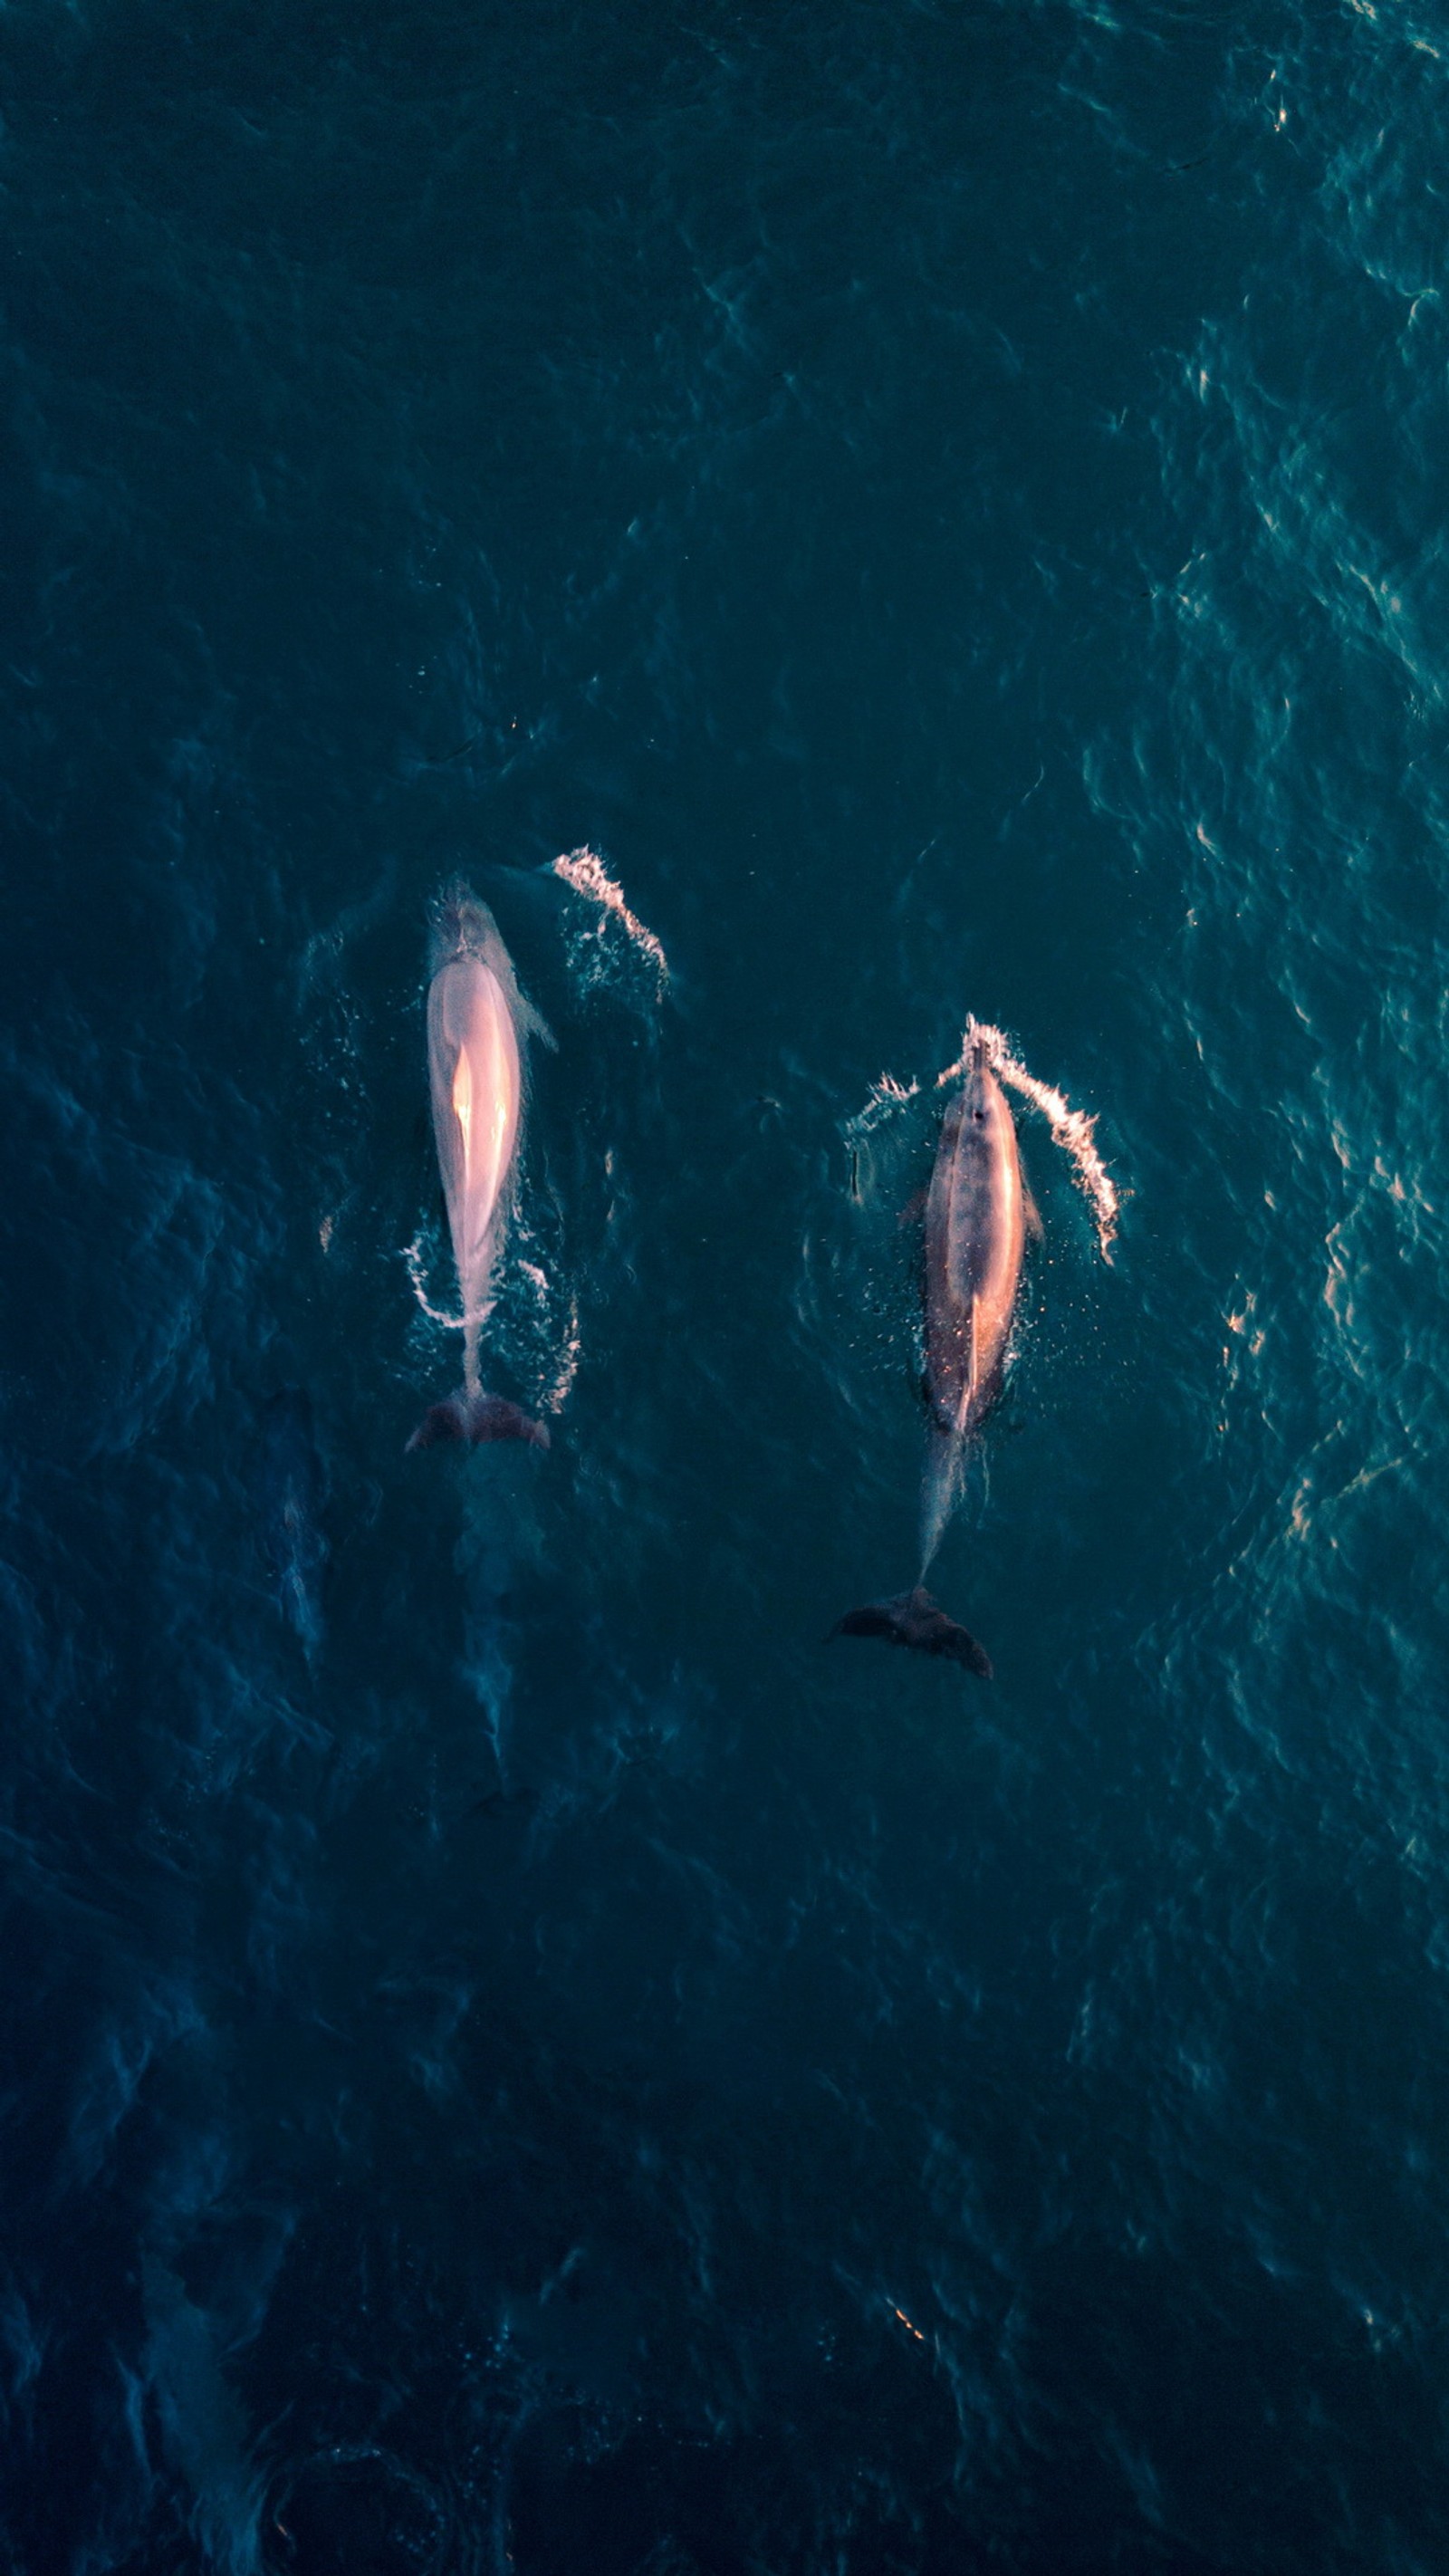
[(518, 2055)]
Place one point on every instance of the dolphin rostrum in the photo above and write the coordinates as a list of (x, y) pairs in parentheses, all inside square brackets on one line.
[(478, 1030), (977, 1214)]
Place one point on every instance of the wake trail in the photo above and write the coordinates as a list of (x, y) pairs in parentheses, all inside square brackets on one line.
[(585, 871)]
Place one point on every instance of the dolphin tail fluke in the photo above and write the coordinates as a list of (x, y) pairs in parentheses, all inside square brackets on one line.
[(475, 1417), (914, 1619)]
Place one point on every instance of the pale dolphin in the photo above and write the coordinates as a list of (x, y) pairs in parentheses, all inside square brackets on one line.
[(977, 1214), (478, 1030)]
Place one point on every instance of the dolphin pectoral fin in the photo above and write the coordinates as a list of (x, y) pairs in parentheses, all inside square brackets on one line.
[(536, 1025), (1031, 1215), (914, 1211), (914, 1619), (474, 1418)]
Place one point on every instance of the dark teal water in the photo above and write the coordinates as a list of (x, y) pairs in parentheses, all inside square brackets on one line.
[(517, 2055)]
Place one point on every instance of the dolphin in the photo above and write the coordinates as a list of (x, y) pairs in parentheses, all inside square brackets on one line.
[(293, 1494), (479, 1026), (978, 1212)]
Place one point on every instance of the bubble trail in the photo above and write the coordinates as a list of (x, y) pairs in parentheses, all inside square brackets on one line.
[(886, 1097), (585, 871)]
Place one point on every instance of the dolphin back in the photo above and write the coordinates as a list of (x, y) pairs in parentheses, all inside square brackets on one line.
[(975, 1238)]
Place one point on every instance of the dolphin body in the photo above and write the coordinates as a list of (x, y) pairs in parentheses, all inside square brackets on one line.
[(293, 1495), (479, 1026), (977, 1214)]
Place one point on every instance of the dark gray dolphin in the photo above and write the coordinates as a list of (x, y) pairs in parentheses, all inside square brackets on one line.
[(977, 1213)]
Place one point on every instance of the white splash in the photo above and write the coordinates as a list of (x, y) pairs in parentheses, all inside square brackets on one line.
[(585, 871), (413, 1256), (568, 1343), (568, 1363)]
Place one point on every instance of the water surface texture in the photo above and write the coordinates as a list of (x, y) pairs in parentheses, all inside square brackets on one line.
[(517, 2054)]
